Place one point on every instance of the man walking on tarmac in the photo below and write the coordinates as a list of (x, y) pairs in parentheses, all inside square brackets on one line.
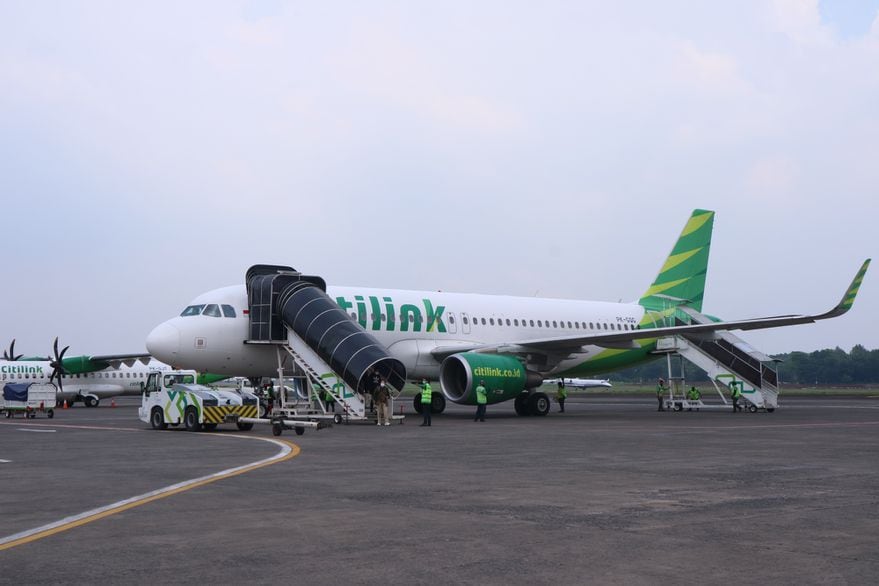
[(736, 392), (481, 401), (561, 394), (426, 396), (661, 388), (381, 401)]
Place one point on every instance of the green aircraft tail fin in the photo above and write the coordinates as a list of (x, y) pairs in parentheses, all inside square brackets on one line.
[(681, 280)]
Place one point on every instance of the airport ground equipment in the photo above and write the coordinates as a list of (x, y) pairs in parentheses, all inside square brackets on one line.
[(29, 399), (331, 354), (174, 398), (727, 359)]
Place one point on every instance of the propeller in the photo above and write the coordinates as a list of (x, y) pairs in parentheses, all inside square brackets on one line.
[(58, 365), (10, 354)]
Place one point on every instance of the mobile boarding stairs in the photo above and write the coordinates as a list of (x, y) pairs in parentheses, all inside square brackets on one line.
[(331, 354), (726, 358)]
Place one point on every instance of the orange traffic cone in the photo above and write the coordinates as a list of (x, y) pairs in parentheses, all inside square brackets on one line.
[(113, 402), (65, 403)]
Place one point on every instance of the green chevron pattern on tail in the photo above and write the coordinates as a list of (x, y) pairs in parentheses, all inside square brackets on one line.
[(681, 280), (849, 298)]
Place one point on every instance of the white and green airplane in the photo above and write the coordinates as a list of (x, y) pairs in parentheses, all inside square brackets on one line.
[(86, 379), (515, 343)]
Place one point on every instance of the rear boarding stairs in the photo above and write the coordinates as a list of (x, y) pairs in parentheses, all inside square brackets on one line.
[(726, 358)]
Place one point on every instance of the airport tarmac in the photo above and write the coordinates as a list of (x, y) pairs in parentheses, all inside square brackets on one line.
[(610, 492)]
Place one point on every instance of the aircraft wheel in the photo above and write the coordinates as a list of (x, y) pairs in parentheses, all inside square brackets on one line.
[(299, 430), (752, 409), (90, 401), (437, 403), (538, 404), (190, 420), (244, 426), (277, 429), (521, 405), (416, 402)]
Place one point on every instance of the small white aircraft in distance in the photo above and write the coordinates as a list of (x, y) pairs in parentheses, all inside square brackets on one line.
[(511, 344), (580, 383)]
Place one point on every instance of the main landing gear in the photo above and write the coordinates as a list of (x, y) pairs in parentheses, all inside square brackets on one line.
[(532, 403)]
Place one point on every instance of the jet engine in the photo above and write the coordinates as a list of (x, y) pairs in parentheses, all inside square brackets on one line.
[(505, 377)]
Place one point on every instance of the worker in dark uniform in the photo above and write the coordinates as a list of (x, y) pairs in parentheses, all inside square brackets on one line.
[(661, 388), (481, 401), (426, 396), (561, 394)]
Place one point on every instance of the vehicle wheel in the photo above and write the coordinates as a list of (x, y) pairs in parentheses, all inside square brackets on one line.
[(209, 426), (277, 429), (416, 402), (50, 413), (299, 430), (9, 415), (678, 407), (752, 408), (262, 411), (190, 420), (538, 404), (521, 405), (337, 419), (437, 403), (770, 409), (157, 419), (244, 426), (90, 401)]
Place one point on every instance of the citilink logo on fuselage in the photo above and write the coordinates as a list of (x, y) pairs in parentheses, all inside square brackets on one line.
[(411, 317)]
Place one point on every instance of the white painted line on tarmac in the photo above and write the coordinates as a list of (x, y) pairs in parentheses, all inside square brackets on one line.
[(288, 450), (36, 430), (5, 461)]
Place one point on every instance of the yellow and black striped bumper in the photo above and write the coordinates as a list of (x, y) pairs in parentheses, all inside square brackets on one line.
[(218, 414)]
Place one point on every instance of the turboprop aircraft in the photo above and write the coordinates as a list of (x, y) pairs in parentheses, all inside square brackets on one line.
[(580, 383), (82, 378), (512, 343)]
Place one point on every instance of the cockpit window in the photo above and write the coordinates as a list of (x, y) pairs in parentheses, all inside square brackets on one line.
[(212, 310), (228, 310), (192, 310)]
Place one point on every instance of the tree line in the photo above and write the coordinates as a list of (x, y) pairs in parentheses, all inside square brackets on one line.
[(822, 367)]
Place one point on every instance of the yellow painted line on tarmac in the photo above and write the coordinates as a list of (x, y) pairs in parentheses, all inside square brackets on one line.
[(288, 451)]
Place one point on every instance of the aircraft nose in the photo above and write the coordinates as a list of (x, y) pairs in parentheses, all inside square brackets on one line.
[(164, 342)]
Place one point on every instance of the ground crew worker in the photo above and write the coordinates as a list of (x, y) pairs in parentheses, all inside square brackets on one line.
[(481, 401), (736, 392), (561, 394), (381, 401), (661, 388), (330, 401), (693, 395), (270, 398), (426, 395)]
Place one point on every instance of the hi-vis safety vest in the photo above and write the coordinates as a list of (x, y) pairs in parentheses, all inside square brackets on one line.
[(426, 392), (481, 397), (736, 392)]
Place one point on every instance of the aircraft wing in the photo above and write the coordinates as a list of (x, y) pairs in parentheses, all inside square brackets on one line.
[(627, 338), (115, 360)]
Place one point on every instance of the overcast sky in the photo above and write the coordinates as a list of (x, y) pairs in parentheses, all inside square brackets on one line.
[(152, 151)]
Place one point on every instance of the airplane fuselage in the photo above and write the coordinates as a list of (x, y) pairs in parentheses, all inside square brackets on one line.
[(410, 324)]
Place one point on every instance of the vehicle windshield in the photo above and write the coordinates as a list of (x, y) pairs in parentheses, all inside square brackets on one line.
[(192, 310), (212, 310)]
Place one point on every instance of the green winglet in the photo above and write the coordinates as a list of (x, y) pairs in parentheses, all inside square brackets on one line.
[(849, 298)]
